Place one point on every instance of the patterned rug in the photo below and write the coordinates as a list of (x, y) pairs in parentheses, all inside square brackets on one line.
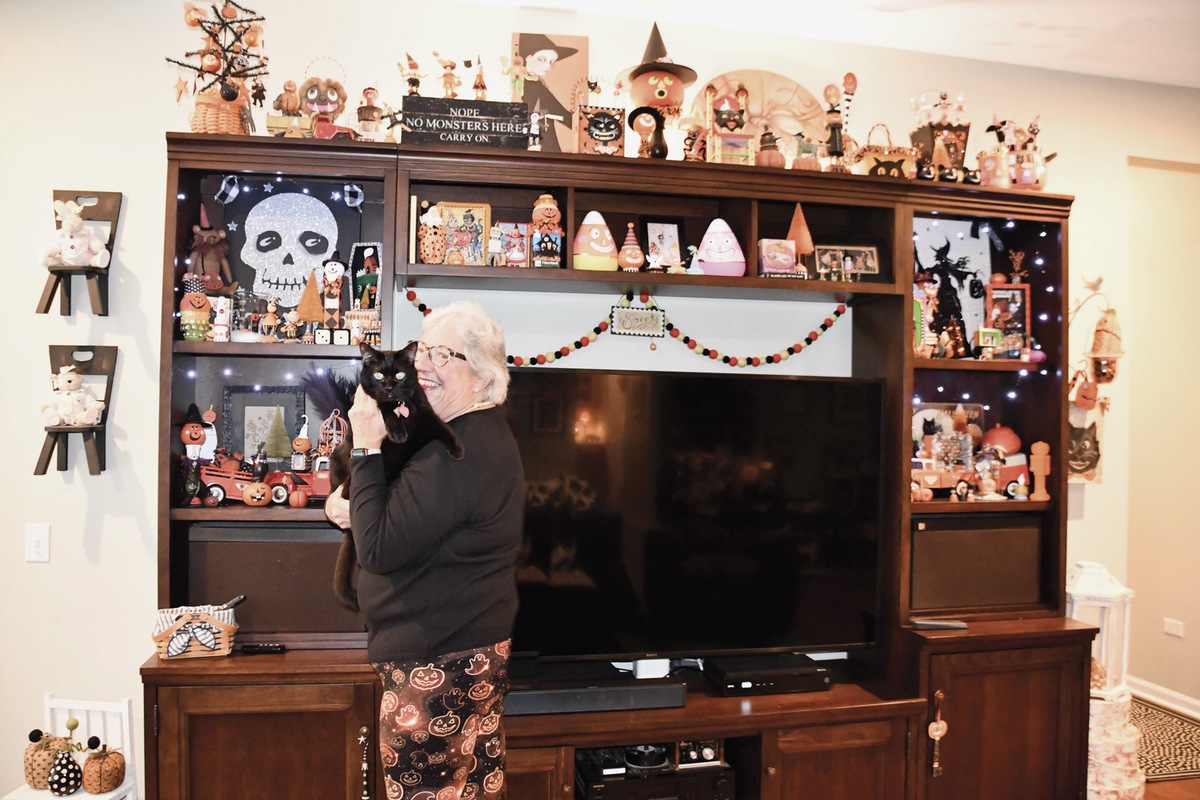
[(1170, 742)]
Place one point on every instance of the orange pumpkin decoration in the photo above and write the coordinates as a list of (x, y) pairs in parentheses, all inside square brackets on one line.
[(1087, 395), (298, 499), (103, 771), (39, 758), (256, 494), (301, 444)]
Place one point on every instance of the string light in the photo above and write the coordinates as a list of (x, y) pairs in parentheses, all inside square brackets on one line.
[(674, 332)]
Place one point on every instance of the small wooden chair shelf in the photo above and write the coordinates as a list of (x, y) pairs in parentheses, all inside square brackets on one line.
[(101, 363), (107, 209)]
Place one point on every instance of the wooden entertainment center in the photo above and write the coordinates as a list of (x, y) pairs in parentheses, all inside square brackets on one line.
[(1012, 686)]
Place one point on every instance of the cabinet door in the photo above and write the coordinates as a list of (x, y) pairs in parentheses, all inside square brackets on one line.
[(836, 762), (539, 773), (1015, 724), (251, 742)]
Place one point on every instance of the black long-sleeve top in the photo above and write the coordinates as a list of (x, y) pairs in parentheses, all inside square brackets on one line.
[(437, 547)]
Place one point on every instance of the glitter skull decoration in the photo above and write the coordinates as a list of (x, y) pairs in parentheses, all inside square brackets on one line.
[(287, 237)]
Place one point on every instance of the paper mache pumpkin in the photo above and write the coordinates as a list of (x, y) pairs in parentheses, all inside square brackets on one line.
[(39, 757)]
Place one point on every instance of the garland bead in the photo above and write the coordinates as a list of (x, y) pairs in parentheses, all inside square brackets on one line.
[(603, 326), (828, 322), (812, 337), (411, 295), (725, 359), (645, 297), (692, 344), (541, 359), (784, 356), (584, 342), (755, 361), (549, 358), (770, 359), (713, 354), (675, 332), (593, 336), (426, 312), (629, 294), (518, 361), (574, 346), (564, 351), (511, 360), (578, 343), (841, 309)]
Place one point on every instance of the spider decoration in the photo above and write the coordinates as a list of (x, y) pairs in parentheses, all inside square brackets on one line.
[(230, 52)]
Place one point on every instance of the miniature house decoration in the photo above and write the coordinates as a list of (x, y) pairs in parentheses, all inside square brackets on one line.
[(1096, 597)]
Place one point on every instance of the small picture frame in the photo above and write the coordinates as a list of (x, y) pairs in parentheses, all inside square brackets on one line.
[(467, 226), (663, 247), (508, 245), (846, 262), (365, 263), (248, 415), (1007, 310), (778, 257), (601, 130)]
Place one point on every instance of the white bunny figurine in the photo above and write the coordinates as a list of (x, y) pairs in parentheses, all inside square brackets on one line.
[(76, 244)]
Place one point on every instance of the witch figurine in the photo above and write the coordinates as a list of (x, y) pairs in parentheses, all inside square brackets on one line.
[(947, 277), (658, 82), (539, 53)]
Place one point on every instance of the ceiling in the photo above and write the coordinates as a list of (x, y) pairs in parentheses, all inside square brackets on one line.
[(1157, 41)]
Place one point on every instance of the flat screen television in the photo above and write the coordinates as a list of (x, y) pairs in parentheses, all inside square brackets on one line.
[(680, 515)]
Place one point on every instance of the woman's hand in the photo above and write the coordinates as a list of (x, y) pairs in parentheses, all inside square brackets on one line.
[(337, 508), (366, 421)]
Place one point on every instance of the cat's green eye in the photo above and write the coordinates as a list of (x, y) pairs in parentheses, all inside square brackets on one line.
[(378, 376), (399, 376)]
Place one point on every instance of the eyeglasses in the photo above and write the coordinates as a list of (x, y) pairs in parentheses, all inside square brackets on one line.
[(439, 355)]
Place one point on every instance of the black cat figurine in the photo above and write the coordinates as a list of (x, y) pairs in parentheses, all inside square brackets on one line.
[(1083, 454), (390, 378)]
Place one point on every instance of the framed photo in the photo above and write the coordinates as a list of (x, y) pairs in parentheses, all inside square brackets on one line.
[(364, 273), (251, 416), (847, 261), (467, 228), (508, 245), (778, 257), (663, 243), (1006, 308)]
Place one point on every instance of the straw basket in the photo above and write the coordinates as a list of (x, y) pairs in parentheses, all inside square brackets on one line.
[(195, 634), (211, 114)]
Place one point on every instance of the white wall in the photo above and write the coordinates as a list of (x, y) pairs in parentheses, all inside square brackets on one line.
[(89, 98)]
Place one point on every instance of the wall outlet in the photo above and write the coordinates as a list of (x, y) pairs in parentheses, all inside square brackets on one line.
[(37, 541), (1173, 627)]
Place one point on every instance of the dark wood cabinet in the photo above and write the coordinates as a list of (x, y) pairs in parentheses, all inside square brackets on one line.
[(1015, 702), (262, 725), (1013, 684), (839, 762)]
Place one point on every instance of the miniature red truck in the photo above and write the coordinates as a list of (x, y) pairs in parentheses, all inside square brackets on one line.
[(228, 484)]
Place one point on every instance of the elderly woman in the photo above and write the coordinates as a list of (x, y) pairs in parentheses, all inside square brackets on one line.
[(437, 549)]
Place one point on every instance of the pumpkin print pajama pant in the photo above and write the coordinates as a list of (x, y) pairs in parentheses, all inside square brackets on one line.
[(440, 732)]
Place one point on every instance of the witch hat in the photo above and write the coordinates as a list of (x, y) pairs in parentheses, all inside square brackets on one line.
[(655, 59), (193, 415)]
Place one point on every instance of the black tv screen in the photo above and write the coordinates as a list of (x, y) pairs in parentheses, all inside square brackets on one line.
[(682, 515)]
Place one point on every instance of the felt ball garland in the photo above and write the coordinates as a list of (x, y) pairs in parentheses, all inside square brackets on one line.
[(550, 356)]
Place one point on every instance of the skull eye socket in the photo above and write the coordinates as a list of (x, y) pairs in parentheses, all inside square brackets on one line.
[(378, 376), (314, 242), (268, 241)]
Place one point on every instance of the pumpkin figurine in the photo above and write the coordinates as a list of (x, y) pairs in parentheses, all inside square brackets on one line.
[(65, 776), (630, 257), (104, 769), (39, 757)]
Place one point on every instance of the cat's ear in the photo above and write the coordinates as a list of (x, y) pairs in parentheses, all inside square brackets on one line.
[(368, 351), (410, 350)]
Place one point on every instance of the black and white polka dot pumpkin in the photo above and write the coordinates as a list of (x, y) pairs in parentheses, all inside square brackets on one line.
[(66, 776)]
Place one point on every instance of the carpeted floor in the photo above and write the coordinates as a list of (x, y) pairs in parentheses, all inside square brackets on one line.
[(1170, 742)]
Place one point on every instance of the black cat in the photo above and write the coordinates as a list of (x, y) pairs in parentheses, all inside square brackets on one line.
[(1083, 454), (390, 378)]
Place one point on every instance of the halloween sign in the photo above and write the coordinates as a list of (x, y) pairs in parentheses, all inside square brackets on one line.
[(438, 120)]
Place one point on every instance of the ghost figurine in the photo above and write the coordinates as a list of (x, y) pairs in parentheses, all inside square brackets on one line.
[(594, 246), (287, 237), (719, 252)]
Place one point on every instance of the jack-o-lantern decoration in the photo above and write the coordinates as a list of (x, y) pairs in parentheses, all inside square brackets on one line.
[(298, 498), (192, 434), (323, 96), (256, 494), (427, 678), (631, 258), (546, 214), (1086, 395), (1003, 438), (658, 81), (104, 769)]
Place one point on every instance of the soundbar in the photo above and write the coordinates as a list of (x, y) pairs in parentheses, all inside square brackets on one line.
[(625, 695)]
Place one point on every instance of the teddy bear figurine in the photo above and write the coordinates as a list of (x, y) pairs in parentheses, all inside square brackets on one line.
[(76, 245), (72, 403)]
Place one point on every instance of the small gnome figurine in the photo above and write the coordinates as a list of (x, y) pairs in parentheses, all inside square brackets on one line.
[(631, 258)]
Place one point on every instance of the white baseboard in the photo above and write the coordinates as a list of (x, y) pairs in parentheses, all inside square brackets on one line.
[(1162, 696)]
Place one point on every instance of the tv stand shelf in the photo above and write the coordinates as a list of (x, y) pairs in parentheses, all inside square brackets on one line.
[(229, 727)]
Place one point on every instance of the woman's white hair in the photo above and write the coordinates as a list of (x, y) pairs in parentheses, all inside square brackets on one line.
[(483, 343)]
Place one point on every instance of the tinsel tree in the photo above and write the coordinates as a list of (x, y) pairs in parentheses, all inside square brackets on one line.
[(231, 50), (279, 444)]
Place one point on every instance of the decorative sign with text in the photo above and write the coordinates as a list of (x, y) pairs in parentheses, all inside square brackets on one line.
[(437, 120), (627, 321)]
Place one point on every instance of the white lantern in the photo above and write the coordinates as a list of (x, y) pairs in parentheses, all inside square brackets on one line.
[(1094, 596)]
